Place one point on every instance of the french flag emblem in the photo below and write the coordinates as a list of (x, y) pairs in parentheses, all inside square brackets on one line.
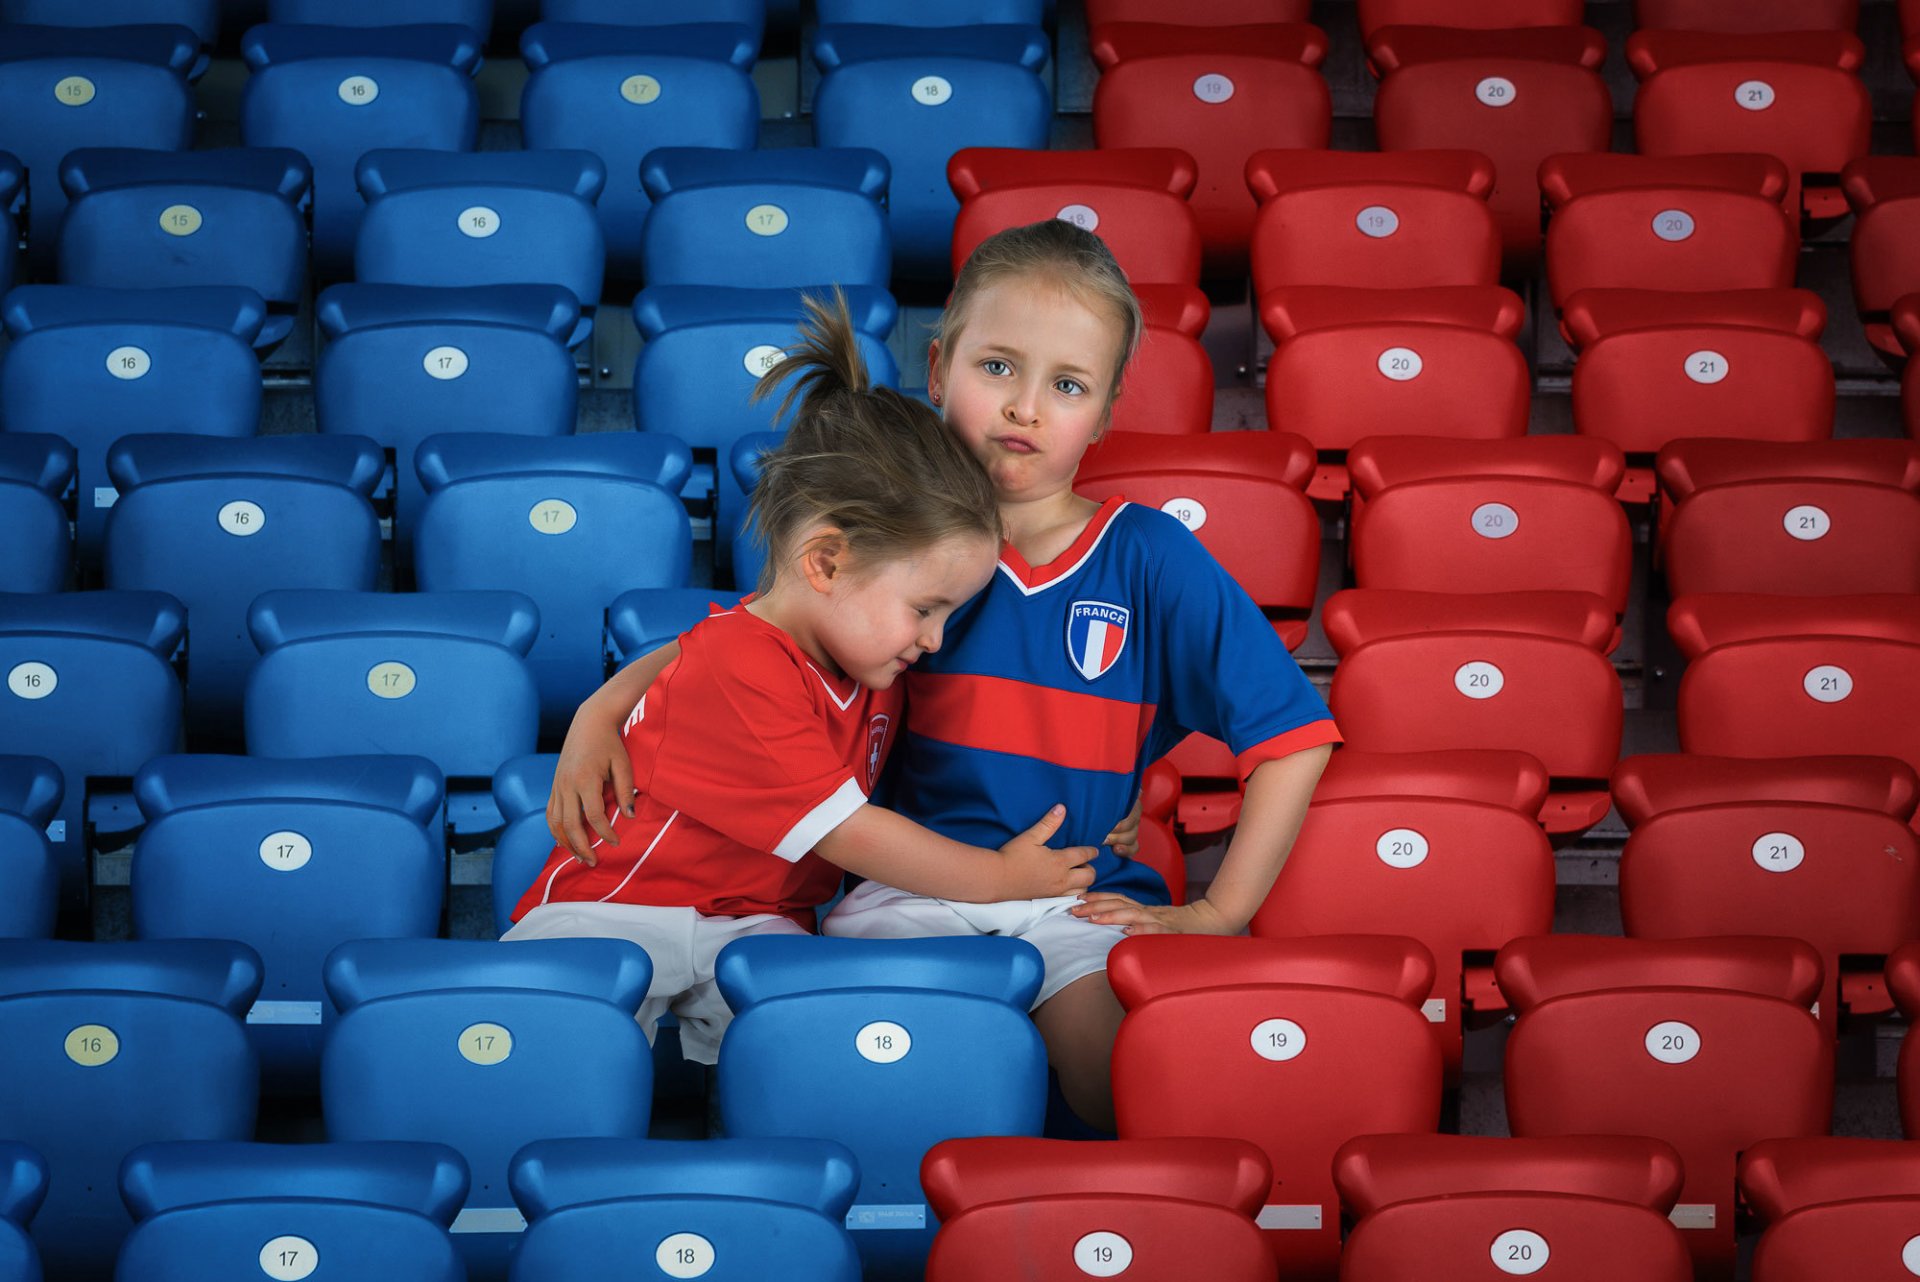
[(1096, 633)]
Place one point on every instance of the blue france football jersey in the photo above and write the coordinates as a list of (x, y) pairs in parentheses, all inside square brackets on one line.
[(1062, 683)]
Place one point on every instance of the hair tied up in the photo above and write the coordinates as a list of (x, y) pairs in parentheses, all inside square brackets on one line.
[(825, 363)]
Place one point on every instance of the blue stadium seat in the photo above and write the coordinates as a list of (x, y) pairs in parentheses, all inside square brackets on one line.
[(705, 350), (110, 1046), (23, 1186), (477, 15), (442, 675), (404, 362), (919, 95), (336, 93), (202, 17), (209, 1209), (481, 1045), (948, 13), (13, 203), (889, 1047), (638, 623), (728, 1210), (86, 364), (766, 219), (290, 858), (749, 556), (30, 792), (751, 14), (621, 91), (520, 789), (35, 470), (484, 218), (225, 217), (571, 521), (90, 688), (218, 522), (65, 88)]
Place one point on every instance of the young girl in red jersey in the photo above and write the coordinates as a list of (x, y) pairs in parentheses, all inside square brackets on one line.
[(754, 752)]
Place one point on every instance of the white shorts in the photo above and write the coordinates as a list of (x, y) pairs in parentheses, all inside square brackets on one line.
[(1072, 947), (682, 944)]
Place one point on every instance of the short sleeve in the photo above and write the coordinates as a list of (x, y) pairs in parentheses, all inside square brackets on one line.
[(745, 750), (1226, 672)]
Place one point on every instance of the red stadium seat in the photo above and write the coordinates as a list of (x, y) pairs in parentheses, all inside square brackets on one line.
[(1135, 200), (1168, 388), (1592, 314), (1653, 783), (1215, 13), (1220, 93), (1296, 1045), (1484, 90), (1460, 874), (1834, 1208), (1390, 220), (1884, 192), (1522, 671), (1706, 1044), (1064, 1210), (1374, 1172), (1160, 847), (1650, 51), (1748, 15), (1906, 328), (1375, 14), (1903, 980), (1295, 309), (1775, 676), (1177, 307)]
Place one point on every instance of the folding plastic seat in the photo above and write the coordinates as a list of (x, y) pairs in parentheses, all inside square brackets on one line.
[(212, 1209), (1592, 314), (23, 1185), (1062, 1209), (571, 522), (1449, 852), (1671, 223), (1221, 94), (751, 14), (217, 522), (1291, 310), (1906, 325), (64, 88), (476, 15), (520, 790), (1833, 1207), (1225, 13), (76, 662), (291, 858), (1794, 95), (1160, 849), (461, 1042), (1778, 676), (1704, 1043), (1517, 96), (1903, 980), (888, 1046), (35, 470), (1748, 15), (723, 1208), (225, 217), (13, 204), (202, 17), (1884, 194), (955, 13), (1592, 1207), (642, 621), (1517, 671), (86, 364), (1375, 14), (1373, 219), (335, 93), (111, 1046), (30, 793), (1296, 1045)]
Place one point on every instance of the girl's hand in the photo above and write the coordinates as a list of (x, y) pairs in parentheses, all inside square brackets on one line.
[(1033, 870), (592, 761), (1106, 908), (1124, 840)]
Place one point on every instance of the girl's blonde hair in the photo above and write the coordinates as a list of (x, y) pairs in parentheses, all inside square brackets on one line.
[(878, 466), (1060, 253)]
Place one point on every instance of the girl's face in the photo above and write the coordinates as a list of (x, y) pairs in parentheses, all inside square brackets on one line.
[(1027, 384), (875, 621)]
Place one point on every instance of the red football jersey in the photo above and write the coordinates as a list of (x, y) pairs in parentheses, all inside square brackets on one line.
[(745, 754)]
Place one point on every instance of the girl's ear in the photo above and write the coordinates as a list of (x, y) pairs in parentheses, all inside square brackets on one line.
[(933, 371), (823, 558)]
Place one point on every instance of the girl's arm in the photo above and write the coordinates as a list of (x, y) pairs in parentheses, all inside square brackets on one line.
[(593, 759), (877, 843), (1276, 805)]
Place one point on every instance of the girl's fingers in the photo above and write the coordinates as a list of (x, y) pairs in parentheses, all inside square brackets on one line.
[(620, 770)]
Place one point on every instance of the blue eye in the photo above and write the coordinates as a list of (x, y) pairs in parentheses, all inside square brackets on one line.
[(994, 365), (1070, 387)]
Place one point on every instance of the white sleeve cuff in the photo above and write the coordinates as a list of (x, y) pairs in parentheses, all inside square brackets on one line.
[(821, 820)]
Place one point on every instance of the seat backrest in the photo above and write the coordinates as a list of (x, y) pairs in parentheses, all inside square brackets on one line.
[(1747, 15), (35, 470), (202, 17), (1375, 14), (1795, 535), (474, 14), (1377, 1171), (1649, 785), (23, 1186), (640, 622), (1518, 1232), (31, 789), (1670, 237), (520, 789)]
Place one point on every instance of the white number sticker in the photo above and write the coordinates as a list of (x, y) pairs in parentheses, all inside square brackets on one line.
[(641, 91), (479, 222), (759, 360), (445, 363), (1496, 91), (1103, 1255), (1401, 364), (883, 1042), (242, 519), (932, 91), (766, 220), (1377, 221), (129, 363), (1401, 848), (289, 1259), (485, 1044), (32, 680), (553, 516), (1084, 217), (358, 91), (1673, 225), (180, 220), (1520, 1252), (1910, 1256), (1754, 95), (1706, 367), (105, 496), (391, 680), (1278, 1039), (1191, 513), (1828, 684), (1807, 522), (1213, 88), (1779, 852), (1495, 520), (74, 91), (92, 1045), (285, 851), (685, 1255), (1479, 680), (1673, 1042)]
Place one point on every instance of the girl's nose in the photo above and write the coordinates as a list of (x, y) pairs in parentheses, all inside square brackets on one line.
[(1022, 404), (930, 638)]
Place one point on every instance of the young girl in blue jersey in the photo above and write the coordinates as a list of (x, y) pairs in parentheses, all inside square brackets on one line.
[(1105, 635)]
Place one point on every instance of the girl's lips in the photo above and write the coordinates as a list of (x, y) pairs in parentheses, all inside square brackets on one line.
[(1015, 444)]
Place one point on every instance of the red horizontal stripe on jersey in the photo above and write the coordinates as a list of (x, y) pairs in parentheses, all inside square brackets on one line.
[(996, 714)]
